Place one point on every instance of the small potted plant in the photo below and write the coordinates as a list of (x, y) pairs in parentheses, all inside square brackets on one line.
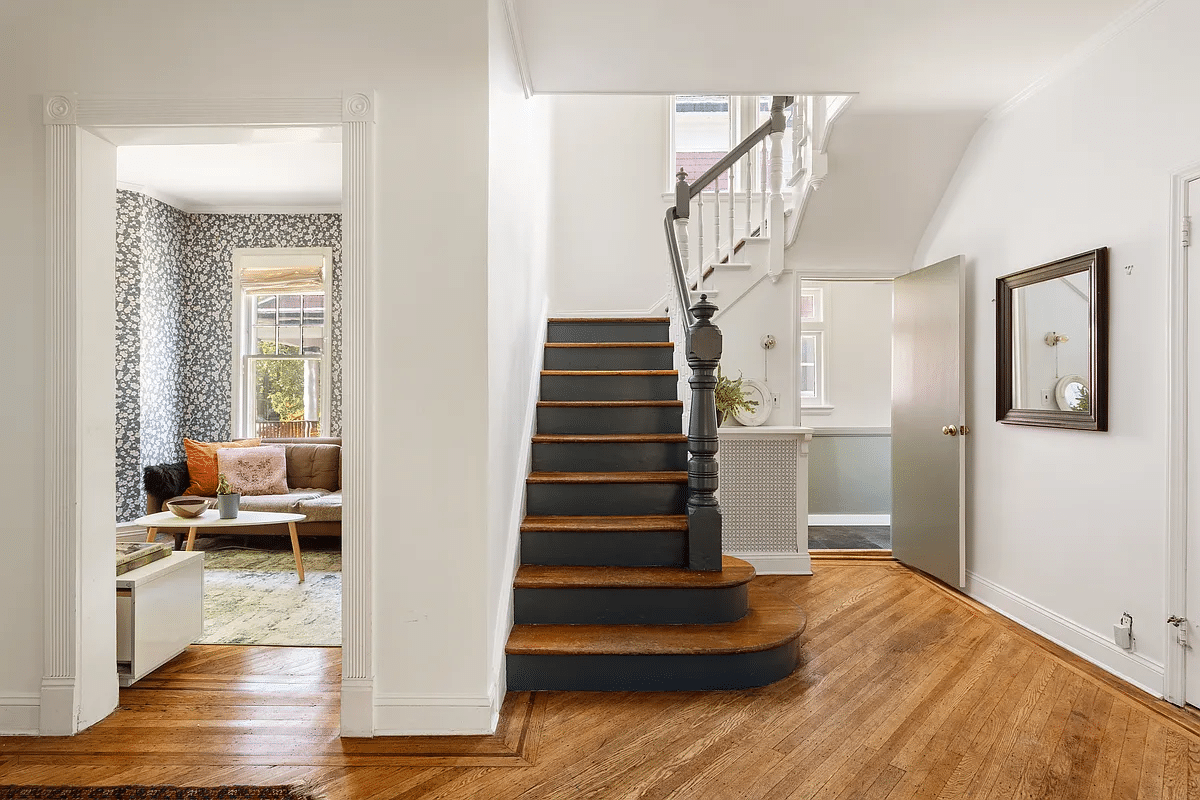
[(731, 397), (227, 498)]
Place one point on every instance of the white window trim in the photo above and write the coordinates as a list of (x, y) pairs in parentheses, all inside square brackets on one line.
[(821, 405), (239, 426), (743, 108)]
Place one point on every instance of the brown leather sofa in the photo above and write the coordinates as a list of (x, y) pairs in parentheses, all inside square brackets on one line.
[(314, 475)]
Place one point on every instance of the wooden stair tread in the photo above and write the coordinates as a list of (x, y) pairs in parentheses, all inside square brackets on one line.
[(773, 621), (734, 572), (609, 319), (609, 344), (610, 372), (614, 438), (609, 403), (645, 522), (675, 476)]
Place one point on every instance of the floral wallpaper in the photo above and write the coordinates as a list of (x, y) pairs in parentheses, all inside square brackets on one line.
[(174, 273)]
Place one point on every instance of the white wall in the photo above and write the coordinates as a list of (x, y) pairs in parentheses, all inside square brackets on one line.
[(608, 250), (1066, 529), (518, 204), (858, 355), (428, 63)]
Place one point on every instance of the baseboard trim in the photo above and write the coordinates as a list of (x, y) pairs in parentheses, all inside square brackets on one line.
[(778, 563), (656, 309), (849, 519), (20, 715), (435, 715), (1142, 672), (358, 707)]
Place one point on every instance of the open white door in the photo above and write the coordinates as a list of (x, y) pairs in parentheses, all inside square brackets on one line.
[(928, 422)]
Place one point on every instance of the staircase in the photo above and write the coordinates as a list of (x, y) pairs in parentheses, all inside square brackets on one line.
[(603, 599)]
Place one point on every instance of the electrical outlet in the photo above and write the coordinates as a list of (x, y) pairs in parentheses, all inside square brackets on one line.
[(1123, 632)]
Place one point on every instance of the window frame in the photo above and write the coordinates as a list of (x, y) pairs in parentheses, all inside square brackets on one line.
[(818, 328), (240, 423), (743, 120)]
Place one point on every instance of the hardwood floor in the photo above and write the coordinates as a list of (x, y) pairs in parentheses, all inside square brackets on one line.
[(907, 690)]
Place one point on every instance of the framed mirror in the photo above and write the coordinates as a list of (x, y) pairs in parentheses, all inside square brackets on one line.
[(1052, 344)]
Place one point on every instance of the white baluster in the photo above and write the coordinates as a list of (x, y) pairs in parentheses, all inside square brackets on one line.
[(749, 189), (681, 236), (700, 240), (716, 221), (775, 258), (732, 235), (762, 231)]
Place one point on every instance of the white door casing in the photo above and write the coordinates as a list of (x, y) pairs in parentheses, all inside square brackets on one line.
[(1190, 614), (75, 470), (929, 428)]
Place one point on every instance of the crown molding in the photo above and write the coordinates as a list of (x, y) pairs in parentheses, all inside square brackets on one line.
[(518, 42), (1076, 57), (187, 207)]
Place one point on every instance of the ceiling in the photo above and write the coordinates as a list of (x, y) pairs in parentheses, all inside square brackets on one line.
[(896, 54), (233, 170)]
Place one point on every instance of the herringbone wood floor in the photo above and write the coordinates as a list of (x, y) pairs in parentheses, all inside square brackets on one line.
[(907, 690)]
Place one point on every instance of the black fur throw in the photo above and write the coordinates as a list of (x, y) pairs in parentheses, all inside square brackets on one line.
[(166, 480)]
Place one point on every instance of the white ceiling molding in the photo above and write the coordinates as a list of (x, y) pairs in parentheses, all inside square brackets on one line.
[(1077, 56), (518, 42)]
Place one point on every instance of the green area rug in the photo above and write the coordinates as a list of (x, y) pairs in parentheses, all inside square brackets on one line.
[(253, 597)]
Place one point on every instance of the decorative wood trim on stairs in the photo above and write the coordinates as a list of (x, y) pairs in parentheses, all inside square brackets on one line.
[(644, 522), (616, 438), (599, 320), (608, 477), (612, 372), (610, 404), (733, 573), (609, 344), (773, 621)]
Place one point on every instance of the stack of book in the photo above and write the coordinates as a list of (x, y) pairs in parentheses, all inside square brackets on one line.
[(131, 555)]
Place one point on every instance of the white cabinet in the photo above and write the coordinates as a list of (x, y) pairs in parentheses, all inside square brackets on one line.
[(160, 611)]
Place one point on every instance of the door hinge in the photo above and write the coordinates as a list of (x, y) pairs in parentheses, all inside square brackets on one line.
[(1186, 238)]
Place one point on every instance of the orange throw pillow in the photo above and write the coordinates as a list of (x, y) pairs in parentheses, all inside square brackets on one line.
[(202, 464)]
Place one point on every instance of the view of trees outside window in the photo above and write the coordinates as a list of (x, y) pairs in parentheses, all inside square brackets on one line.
[(288, 335)]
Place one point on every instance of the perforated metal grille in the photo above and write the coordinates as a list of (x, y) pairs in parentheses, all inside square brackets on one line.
[(758, 495)]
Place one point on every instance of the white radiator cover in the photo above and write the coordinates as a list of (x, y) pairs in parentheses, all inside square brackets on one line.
[(764, 497)]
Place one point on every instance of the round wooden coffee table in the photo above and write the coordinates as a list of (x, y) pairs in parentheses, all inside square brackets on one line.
[(211, 519)]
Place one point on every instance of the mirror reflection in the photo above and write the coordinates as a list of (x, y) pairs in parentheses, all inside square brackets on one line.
[(1051, 344)]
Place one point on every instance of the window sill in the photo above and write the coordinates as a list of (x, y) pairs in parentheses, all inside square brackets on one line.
[(818, 411)]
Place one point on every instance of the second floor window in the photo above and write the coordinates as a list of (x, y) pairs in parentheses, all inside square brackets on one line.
[(706, 127)]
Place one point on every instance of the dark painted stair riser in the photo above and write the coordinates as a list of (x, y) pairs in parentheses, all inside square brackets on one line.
[(629, 606), (605, 548), (652, 673), (609, 358), (605, 498), (609, 387), (610, 419), (608, 331), (609, 456)]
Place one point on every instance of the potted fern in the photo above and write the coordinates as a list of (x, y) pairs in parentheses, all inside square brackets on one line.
[(731, 397), (227, 498)]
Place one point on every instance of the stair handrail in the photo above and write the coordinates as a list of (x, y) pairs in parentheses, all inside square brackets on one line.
[(703, 339)]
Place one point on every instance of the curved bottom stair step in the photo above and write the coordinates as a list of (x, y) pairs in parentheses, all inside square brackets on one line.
[(761, 648)]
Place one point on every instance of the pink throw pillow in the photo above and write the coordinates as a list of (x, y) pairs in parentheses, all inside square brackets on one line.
[(254, 470)]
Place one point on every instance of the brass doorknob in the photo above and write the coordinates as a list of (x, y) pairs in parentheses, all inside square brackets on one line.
[(949, 430), (964, 430)]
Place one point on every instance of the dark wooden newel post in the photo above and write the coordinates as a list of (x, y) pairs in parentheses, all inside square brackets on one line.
[(703, 511)]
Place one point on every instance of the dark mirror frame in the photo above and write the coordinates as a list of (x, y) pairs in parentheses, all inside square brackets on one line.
[(1095, 262)]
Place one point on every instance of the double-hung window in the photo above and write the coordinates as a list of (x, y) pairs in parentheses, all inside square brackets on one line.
[(706, 127), (281, 341), (810, 366)]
